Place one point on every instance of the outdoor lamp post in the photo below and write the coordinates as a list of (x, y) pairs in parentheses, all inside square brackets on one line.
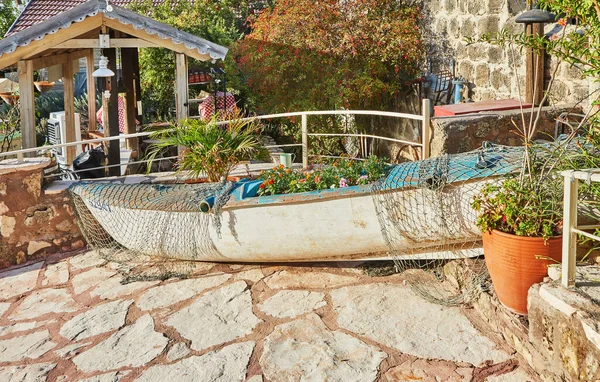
[(534, 20)]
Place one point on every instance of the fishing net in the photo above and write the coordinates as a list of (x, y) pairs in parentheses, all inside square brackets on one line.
[(153, 231), (431, 222)]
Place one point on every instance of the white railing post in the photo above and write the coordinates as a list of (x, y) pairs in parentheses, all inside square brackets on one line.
[(304, 140), (20, 157), (426, 134), (569, 248)]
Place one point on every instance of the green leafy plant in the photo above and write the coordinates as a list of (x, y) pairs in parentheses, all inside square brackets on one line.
[(339, 174), (212, 149)]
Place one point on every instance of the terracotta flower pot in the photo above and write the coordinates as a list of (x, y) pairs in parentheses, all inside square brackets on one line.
[(516, 263), (43, 86), (9, 98)]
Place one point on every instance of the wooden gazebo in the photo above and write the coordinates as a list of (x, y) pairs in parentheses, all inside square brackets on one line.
[(74, 34)]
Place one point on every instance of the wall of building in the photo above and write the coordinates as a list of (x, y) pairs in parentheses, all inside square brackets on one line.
[(33, 223), (492, 72)]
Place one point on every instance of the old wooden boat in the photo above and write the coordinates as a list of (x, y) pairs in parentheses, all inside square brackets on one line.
[(419, 208)]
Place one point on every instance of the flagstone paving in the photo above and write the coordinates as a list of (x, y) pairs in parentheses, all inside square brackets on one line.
[(71, 319)]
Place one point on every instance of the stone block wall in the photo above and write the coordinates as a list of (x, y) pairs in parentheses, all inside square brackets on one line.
[(33, 223), (465, 133), (492, 72)]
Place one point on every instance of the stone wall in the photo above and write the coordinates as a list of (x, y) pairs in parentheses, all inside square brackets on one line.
[(465, 133), (33, 223), (489, 69)]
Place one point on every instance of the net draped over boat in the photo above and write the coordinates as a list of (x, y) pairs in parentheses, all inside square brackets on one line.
[(159, 209), (432, 222), (432, 215)]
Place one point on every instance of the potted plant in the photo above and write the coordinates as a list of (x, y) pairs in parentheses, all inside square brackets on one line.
[(212, 149), (521, 222)]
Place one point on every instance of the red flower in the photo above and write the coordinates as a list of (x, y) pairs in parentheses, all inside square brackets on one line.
[(262, 185)]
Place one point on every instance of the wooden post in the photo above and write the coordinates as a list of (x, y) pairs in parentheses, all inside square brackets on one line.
[(91, 90), (129, 101), (27, 105), (426, 134), (114, 151), (534, 87), (69, 97), (181, 90), (304, 140), (138, 89), (569, 249)]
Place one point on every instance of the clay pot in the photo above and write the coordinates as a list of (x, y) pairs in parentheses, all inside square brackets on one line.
[(516, 263), (43, 86), (9, 98)]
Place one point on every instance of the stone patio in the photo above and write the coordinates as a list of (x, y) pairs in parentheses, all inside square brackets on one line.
[(70, 319)]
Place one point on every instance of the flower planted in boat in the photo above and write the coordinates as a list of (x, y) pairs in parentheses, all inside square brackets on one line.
[(342, 173)]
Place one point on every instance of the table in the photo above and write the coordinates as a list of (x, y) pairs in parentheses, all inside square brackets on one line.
[(477, 107)]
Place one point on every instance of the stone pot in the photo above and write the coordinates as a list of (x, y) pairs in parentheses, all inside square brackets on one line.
[(43, 86), (9, 98), (516, 263)]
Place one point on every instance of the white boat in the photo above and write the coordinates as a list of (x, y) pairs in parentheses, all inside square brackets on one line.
[(419, 209)]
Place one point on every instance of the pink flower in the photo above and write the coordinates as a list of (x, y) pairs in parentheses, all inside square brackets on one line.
[(343, 183)]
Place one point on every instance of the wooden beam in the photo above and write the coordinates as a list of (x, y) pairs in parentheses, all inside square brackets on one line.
[(165, 43), (38, 46), (69, 97), (91, 90), (57, 59), (138, 89), (27, 105), (94, 43), (534, 86), (181, 86), (114, 151), (127, 56)]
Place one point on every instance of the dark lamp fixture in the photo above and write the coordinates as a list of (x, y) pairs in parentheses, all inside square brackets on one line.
[(536, 16)]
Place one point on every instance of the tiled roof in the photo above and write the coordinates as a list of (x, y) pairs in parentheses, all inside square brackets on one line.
[(37, 11), (198, 47)]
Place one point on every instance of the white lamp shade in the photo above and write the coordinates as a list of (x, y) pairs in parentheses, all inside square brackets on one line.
[(103, 70)]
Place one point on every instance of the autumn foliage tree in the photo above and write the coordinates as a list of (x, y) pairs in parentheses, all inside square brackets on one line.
[(328, 54)]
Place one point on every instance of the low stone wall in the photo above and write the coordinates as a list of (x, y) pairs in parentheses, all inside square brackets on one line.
[(559, 339), (464, 133), (33, 223)]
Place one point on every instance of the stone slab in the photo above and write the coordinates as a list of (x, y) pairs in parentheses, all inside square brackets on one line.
[(8, 166), (4, 307), (132, 346), (17, 327), (172, 293), (308, 280), (100, 319), (227, 311), (115, 376), (306, 348), (71, 350), (86, 260), (224, 365), (17, 281), (56, 274), (30, 346), (112, 288), (89, 279), (292, 303), (45, 301), (26, 373), (395, 316), (178, 351)]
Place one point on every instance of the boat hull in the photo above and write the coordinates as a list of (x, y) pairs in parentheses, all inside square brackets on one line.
[(356, 223)]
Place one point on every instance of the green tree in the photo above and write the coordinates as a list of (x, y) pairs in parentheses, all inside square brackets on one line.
[(304, 55), (221, 22), (8, 14)]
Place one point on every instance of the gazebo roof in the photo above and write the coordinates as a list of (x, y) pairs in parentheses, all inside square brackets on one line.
[(85, 21), (37, 11)]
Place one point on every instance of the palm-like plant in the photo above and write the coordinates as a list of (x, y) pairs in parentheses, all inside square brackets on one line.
[(212, 148)]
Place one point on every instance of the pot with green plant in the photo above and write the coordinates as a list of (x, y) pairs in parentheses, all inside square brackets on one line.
[(521, 221), (211, 149)]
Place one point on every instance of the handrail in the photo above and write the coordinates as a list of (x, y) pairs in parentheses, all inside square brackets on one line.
[(424, 143), (570, 227)]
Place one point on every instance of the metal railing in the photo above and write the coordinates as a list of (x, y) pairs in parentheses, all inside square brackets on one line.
[(570, 227), (423, 144)]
